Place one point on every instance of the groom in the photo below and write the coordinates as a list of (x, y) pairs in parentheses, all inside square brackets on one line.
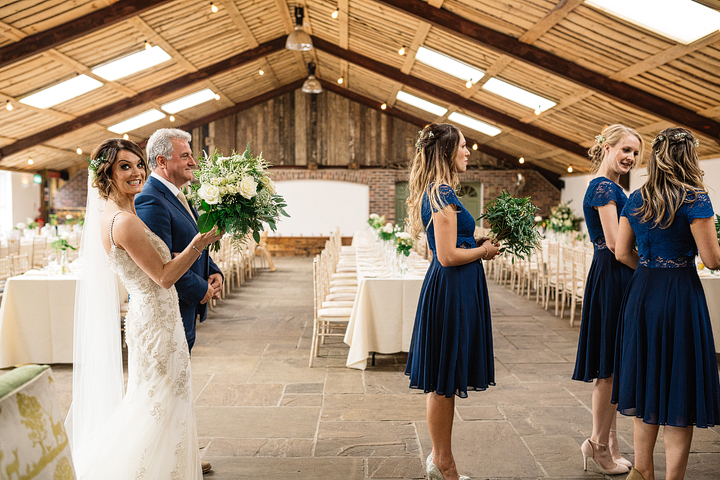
[(165, 210)]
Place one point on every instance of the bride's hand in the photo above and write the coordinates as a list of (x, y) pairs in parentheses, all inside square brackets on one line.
[(205, 239)]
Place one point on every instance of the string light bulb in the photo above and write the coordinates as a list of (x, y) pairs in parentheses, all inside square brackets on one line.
[(335, 13), (383, 106), (30, 161), (217, 96), (79, 151), (521, 160), (340, 81), (126, 136), (475, 147), (570, 169), (402, 50), (9, 106), (213, 7), (538, 111), (172, 118), (261, 72), (147, 45), (469, 83)]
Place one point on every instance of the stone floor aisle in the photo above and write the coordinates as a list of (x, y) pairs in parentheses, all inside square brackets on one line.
[(263, 414)]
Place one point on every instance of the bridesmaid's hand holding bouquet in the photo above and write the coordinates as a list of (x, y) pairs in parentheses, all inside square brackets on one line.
[(512, 221)]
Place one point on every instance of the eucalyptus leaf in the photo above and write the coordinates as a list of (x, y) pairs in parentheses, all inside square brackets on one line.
[(512, 223)]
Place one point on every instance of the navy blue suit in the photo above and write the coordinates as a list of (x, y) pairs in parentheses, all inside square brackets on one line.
[(163, 213)]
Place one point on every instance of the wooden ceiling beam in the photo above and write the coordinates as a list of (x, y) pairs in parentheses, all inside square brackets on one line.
[(509, 161), (489, 38), (146, 96), (450, 97), (56, 36)]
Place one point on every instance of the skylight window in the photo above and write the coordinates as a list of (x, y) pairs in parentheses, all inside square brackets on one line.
[(681, 20), (474, 124), (518, 95), (62, 92), (449, 65), (132, 63), (188, 101), (137, 121), (421, 104)]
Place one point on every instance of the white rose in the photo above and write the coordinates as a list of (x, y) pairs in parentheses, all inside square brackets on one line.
[(215, 181), (374, 216), (68, 217), (21, 226), (537, 219), (568, 223), (209, 193), (388, 228), (269, 185), (231, 189), (65, 236), (247, 187), (403, 235)]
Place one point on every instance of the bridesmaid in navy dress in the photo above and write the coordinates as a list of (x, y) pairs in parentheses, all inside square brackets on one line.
[(617, 149), (451, 348), (666, 371)]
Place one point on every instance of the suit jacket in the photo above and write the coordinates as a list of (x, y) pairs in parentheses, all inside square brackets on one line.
[(163, 213)]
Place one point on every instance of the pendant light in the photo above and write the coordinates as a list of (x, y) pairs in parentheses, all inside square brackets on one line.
[(298, 39), (312, 85)]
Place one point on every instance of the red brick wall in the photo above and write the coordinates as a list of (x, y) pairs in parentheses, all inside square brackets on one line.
[(74, 193), (299, 246)]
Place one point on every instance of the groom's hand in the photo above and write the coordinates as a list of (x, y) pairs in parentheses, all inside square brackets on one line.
[(215, 280), (208, 295)]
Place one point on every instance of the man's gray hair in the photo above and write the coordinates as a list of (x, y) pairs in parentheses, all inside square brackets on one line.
[(160, 144)]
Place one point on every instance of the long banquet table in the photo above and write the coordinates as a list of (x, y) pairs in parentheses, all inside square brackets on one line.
[(384, 310), (36, 318), (711, 285)]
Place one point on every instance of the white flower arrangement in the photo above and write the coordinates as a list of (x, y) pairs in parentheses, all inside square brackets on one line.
[(376, 221), (236, 194), (387, 232), (403, 243), (562, 219)]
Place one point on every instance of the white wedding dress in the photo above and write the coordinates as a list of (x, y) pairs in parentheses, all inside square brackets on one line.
[(152, 434)]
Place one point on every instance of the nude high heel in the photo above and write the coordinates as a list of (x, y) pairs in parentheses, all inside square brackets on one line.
[(434, 473), (600, 453), (619, 459), (635, 475)]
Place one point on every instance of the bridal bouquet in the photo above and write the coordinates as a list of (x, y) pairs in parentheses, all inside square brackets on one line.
[(236, 194), (512, 221)]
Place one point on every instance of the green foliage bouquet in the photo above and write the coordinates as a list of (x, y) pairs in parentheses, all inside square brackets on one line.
[(717, 226), (403, 243), (236, 194), (562, 219), (387, 232), (512, 221), (376, 221)]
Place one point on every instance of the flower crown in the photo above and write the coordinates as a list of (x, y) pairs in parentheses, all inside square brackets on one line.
[(675, 138), (600, 139), (418, 144), (93, 165)]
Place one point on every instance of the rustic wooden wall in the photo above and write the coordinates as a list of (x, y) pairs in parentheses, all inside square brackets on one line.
[(327, 129)]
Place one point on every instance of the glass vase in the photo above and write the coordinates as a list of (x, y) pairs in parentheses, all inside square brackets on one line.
[(64, 265)]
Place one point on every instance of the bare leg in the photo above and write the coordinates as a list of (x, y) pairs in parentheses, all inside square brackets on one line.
[(603, 411), (644, 437), (440, 414), (677, 449)]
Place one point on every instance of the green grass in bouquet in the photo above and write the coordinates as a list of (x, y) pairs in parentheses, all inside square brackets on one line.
[(236, 194), (717, 226), (512, 222)]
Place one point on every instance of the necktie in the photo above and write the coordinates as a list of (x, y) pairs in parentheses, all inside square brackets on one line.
[(183, 200)]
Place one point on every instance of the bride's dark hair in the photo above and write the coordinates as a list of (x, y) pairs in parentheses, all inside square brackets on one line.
[(105, 156)]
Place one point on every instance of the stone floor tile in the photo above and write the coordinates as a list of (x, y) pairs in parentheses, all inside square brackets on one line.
[(304, 388), (348, 381), (259, 447), (257, 422), (367, 439), (396, 467), (293, 400), (306, 468), (285, 370), (469, 414), (353, 407)]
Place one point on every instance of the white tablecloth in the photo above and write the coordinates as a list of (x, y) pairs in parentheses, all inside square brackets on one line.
[(36, 318), (711, 285)]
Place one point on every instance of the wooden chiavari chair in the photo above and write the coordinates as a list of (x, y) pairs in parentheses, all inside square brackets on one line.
[(38, 255), (5, 273), (19, 264), (554, 276)]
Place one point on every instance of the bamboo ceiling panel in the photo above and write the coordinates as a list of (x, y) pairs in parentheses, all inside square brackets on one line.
[(77, 106), (263, 18), (23, 122), (461, 49), (285, 67), (683, 82), (33, 16), (202, 37), (319, 15), (498, 15), (104, 45), (23, 78)]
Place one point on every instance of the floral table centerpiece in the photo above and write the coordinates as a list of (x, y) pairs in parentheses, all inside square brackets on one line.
[(236, 194), (562, 219), (62, 245), (376, 221), (403, 243), (512, 221), (387, 232)]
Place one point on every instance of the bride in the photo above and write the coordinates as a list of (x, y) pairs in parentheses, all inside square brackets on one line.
[(151, 431)]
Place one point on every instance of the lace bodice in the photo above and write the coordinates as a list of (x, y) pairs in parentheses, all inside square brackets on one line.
[(465, 221), (600, 192), (672, 247)]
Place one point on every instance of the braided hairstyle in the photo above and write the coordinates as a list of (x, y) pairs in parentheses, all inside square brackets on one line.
[(434, 163), (674, 176), (612, 135)]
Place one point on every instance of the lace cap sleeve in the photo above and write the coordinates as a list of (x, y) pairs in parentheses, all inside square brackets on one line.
[(605, 192), (631, 205), (447, 197), (700, 208)]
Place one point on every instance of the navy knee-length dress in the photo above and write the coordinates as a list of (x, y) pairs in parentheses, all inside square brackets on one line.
[(666, 371), (604, 288), (451, 349)]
